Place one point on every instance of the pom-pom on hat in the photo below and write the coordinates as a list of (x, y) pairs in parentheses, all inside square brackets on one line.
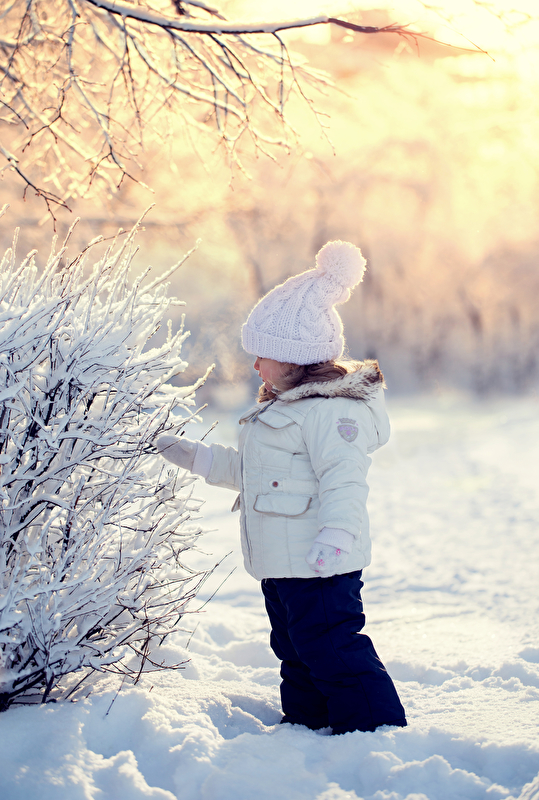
[(297, 322)]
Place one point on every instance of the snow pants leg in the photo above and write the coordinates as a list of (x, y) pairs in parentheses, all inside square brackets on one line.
[(331, 673)]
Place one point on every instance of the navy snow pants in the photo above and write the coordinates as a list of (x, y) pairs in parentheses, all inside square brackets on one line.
[(331, 674)]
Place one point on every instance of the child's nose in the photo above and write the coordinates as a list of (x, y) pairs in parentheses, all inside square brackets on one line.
[(256, 365)]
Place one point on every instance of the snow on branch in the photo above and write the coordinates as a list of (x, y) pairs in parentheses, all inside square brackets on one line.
[(92, 524), (216, 28), (151, 18)]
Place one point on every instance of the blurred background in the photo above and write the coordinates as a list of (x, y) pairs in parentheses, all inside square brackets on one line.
[(424, 155)]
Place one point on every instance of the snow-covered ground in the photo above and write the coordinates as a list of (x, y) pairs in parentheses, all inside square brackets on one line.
[(452, 605)]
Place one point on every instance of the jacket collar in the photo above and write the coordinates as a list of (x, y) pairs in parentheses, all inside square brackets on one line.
[(362, 384)]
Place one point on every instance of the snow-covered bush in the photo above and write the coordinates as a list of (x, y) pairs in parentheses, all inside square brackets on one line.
[(92, 524)]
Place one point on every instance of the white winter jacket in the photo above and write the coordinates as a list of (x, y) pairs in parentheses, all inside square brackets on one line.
[(301, 466)]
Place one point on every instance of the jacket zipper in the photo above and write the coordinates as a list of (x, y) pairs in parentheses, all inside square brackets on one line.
[(243, 514)]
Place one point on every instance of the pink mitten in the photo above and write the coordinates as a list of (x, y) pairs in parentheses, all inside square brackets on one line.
[(330, 551)]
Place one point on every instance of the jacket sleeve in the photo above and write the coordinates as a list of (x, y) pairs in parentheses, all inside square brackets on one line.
[(225, 468), (339, 458)]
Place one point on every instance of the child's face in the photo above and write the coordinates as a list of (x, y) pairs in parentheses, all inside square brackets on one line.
[(270, 371)]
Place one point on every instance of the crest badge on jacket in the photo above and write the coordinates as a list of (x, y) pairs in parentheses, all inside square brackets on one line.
[(347, 429)]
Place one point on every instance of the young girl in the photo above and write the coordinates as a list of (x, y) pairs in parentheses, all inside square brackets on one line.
[(301, 469)]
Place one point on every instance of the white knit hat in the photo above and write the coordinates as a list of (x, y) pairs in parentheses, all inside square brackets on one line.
[(296, 322)]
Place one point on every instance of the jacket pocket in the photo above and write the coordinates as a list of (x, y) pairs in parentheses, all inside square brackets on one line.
[(272, 419), (282, 505)]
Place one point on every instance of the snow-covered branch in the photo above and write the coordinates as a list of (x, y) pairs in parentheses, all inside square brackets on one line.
[(151, 18), (148, 17)]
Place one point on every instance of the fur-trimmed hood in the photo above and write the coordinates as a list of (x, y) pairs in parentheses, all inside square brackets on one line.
[(364, 384)]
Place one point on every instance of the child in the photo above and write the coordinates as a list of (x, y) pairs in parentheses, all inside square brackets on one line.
[(301, 471)]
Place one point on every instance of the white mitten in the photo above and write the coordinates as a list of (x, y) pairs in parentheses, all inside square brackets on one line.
[(329, 559), (178, 450), (197, 457)]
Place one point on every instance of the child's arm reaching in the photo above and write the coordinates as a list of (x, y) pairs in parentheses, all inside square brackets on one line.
[(217, 464), (196, 457)]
